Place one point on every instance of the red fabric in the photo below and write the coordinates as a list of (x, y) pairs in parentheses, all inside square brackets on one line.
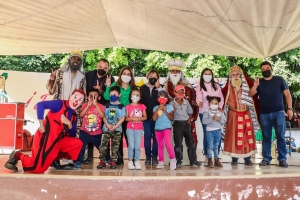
[(54, 143), (243, 126)]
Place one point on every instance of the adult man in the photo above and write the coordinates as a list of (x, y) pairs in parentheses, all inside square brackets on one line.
[(55, 137), (242, 121), (96, 79), (65, 80), (269, 90), (176, 77), (149, 92)]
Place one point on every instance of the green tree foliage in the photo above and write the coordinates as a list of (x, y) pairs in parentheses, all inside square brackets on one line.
[(286, 64)]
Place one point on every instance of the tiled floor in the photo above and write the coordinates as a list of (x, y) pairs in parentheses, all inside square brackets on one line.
[(90, 170)]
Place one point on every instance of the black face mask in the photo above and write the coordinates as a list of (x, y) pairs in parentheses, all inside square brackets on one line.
[(266, 73), (101, 72), (152, 81)]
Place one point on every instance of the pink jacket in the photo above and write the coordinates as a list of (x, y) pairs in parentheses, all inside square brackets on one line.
[(202, 94)]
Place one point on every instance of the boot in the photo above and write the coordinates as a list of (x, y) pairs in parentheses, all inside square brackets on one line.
[(12, 162), (218, 163), (210, 164), (56, 164)]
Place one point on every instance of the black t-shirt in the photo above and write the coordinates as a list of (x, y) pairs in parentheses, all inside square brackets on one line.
[(270, 93)]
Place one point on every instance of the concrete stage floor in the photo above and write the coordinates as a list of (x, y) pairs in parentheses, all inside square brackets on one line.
[(240, 182)]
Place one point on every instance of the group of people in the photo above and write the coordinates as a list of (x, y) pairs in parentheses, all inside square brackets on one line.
[(90, 110)]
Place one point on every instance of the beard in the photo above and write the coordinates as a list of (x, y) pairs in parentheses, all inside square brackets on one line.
[(175, 78), (75, 65), (236, 83)]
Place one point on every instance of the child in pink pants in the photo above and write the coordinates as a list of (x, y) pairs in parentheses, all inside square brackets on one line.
[(163, 115)]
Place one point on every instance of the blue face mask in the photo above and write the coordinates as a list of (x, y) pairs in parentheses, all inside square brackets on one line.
[(114, 98)]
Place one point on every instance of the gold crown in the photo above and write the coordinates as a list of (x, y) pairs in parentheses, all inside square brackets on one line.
[(235, 68), (76, 52)]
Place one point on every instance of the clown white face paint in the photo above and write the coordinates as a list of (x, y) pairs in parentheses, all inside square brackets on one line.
[(76, 100)]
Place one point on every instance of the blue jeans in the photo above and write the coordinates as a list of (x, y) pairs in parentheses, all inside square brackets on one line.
[(213, 140), (205, 146), (87, 138), (276, 120), (134, 143), (148, 134)]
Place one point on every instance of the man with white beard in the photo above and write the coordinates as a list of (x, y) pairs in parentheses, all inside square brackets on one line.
[(176, 77), (242, 121)]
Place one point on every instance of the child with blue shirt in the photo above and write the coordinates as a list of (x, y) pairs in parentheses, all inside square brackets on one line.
[(163, 115), (112, 128), (214, 120)]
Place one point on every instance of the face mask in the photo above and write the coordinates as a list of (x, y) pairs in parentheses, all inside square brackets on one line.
[(162, 100), (180, 95), (207, 78), (125, 78), (152, 81), (101, 72), (114, 98), (135, 98), (174, 78), (267, 73), (214, 107)]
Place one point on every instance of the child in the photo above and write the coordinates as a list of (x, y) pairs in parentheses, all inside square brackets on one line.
[(163, 115), (112, 128), (135, 115), (182, 127), (214, 120), (90, 132)]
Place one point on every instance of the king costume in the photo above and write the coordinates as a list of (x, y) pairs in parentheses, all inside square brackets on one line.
[(242, 118), (190, 93)]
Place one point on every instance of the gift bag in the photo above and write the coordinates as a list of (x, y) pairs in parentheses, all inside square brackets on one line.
[(27, 140), (259, 137)]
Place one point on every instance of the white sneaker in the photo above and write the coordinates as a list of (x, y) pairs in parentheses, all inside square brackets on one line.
[(160, 165), (137, 164), (173, 164), (131, 165)]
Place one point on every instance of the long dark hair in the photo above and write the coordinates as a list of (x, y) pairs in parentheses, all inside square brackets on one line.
[(132, 81), (213, 83)]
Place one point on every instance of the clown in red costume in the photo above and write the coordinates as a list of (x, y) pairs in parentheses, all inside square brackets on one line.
[(55, 137)]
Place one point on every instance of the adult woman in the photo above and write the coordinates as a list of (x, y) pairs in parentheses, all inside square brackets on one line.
[(207, 87), (149, 92), (126, 82)]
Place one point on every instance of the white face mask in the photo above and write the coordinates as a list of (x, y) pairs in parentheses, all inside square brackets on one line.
[(213, 107), (175, 78), (207, 78), (135, 98), (125, 78)]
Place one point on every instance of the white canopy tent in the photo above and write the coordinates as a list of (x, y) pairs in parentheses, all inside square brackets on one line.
[(253, 28)]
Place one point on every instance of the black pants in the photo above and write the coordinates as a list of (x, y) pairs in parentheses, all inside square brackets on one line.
[(183, 129)]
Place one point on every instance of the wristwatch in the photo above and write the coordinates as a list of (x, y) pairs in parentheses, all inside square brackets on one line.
[(290, 109)]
